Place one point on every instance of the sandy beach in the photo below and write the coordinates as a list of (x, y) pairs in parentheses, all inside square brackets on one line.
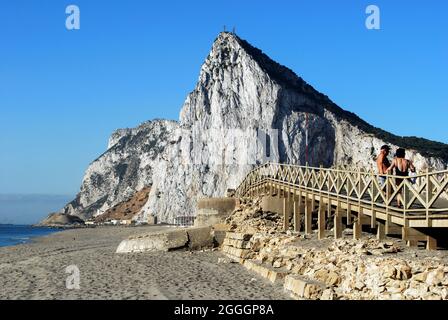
[(37, 270)]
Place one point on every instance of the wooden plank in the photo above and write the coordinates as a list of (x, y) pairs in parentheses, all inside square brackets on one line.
[(337, 224), (412, 234)]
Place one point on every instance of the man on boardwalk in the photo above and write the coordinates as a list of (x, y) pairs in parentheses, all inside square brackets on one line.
[(383, 164)]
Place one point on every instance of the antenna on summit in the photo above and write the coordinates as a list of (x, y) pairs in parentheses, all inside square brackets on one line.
[(224, 28), (234, 30)]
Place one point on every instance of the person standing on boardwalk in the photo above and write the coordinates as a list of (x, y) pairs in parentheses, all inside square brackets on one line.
[(383, 164), (402, 167)]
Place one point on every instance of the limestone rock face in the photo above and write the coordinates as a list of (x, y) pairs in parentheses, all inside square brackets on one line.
[(245, 110), (124, 169)]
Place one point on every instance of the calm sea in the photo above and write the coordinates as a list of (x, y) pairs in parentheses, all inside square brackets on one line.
[(11, 235)]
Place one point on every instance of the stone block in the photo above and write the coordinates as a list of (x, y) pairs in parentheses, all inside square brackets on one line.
[(266, 271), (303, 287)]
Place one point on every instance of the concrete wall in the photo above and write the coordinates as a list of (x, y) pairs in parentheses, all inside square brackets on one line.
[(212, 211), (275, 204)]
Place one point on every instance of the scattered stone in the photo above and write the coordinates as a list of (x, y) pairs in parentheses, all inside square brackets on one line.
[(224, 260), (435, 278), (345, 269)]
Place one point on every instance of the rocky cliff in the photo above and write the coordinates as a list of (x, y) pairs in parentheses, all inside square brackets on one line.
[(245, 109)]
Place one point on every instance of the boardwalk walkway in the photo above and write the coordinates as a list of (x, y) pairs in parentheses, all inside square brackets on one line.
[(355, 197)]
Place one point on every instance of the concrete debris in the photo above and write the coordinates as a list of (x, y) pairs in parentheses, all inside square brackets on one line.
[(337, 269)]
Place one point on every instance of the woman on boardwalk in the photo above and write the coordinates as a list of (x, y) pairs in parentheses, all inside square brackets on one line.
[(402, 167)]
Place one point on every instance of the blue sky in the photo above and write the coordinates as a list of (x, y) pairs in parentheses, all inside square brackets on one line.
[(62, 93)]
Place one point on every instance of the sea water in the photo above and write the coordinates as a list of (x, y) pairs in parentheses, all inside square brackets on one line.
[(11, 235)]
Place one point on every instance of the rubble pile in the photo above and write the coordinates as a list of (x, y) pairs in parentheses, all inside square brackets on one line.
[(250, 218), (330, 269)]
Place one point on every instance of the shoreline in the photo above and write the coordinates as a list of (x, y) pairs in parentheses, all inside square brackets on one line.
[(22, 234), (37, 270)]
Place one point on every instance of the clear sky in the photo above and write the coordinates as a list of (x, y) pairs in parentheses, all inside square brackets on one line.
[(62, 93)]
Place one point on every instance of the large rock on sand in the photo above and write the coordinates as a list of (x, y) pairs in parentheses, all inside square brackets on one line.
[(192, 238)]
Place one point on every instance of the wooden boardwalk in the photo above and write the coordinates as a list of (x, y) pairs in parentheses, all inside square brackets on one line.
[(356, 197)]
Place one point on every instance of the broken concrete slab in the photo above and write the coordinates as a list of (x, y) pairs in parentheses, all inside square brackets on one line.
[(200, 238), (157, 241), (219, 233), (191, 238)]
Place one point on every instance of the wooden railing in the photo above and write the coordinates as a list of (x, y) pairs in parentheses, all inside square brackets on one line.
[(424, 194)]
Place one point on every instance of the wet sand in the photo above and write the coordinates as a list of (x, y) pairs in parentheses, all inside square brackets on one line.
[(37, 270)]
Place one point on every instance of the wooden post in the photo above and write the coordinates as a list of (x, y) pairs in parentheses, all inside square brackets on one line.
[(308, 215), (380, 232), (321, 219), (429, 188), (297, 213), (412, 243), (349, 214), (357, 226), (388, 196), (329, 208), (313, 202), (349, 206), (285, 213), (337, 223), (321, 176), (431, 243), (373, 223), (412, 236)]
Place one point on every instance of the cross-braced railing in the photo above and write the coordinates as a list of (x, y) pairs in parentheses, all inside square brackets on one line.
[(424, 194)]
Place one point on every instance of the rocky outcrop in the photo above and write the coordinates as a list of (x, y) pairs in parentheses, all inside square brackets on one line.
[(125, 168), (245, 109), (58, 220)]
